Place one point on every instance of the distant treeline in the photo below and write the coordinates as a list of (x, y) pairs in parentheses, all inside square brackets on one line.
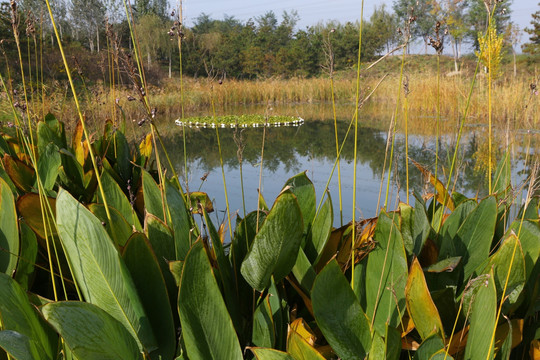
[(96, 34)]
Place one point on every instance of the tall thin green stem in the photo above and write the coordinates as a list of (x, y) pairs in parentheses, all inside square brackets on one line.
[(355, 166)]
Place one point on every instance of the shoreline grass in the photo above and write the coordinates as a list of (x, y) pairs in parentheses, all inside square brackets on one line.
[(515, 103)]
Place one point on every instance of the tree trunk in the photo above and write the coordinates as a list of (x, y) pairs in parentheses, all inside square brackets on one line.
[(97, 38), (170, 64), (515, 68), (456, 54), (149, 58)]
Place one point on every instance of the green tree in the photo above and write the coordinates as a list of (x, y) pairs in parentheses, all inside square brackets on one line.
[(533, 46), (478, 17), (452, 14), (152, 35), (87, 16), (384, 26), (422, 11)]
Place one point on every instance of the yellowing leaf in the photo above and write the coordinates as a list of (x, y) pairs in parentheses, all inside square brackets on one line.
[(145, 146), (442, 194), (421, 308)]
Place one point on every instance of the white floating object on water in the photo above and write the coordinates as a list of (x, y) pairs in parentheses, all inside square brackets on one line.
[(232, 125), (222, 125), (286, 123), (213, 125), (204, 124)]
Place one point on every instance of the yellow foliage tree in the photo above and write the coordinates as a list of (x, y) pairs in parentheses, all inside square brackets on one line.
[(490, 50)]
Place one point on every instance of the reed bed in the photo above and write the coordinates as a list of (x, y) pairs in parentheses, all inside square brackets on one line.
[(516, 99)]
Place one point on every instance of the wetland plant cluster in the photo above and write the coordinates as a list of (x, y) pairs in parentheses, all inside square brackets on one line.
[(144, 273)]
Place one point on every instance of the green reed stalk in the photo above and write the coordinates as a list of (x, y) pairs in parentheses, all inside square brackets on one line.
[(330, 61), (222, 169), (260, 178), (489, 40), (393, 130), (438, 120), (180, 26), (406, 115), (342, 146), (46, 210), (81, 117), (30, 147), (356, 140)]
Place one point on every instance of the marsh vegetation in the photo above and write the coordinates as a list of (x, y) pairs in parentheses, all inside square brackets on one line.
[(111, 247)]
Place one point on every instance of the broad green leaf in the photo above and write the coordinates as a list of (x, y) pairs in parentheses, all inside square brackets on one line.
[(386, 275), (262, 203), (90, 332), (243, 237), (480, 344), (508, 266), (4, 176), (180, 220), (28, 255), (20, 346), (121, 154), (207, 328), (50, 132), (474, 237), (100, 272), (280, 315), (528, 233), (339, 315), (161, 239), (48, 165), (120, 231), (378, 349), (451, 226), (429, 347), (118, 200), (406, 224), (275, 247), (420, 227), (263, 333), (530, 210), (224, 271), (20, 316), (303, 271), (270, 354), (9, 231), (299, 348), (148, 279), (304, 190), (446, 265), (320, 231), (393, 343), (420, 306), (176, 268), (153, 201)]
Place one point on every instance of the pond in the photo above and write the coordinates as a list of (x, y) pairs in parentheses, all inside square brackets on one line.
[(311, 147)]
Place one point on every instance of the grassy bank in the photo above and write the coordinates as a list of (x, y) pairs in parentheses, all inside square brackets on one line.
[(516, 98)]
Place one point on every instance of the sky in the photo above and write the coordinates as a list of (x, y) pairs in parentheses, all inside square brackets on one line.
[(314, 11)]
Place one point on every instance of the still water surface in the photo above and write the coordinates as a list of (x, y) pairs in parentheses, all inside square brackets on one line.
[(312, 148)]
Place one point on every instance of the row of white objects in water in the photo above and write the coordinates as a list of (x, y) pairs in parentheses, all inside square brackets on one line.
[(196, 124)]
